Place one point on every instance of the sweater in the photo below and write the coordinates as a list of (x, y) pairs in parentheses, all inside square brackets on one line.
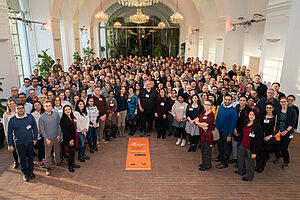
[(101, 104), (82, 121), (21, 130), (179, 110), (6, 118), (122, 103), (49, 125), (226, 119), (161, 106)]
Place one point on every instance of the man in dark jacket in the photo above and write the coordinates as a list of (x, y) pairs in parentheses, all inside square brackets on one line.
[(259, 86)]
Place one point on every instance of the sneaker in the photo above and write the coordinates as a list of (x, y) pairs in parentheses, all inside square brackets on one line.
[(41, 164), (31, 175), (48, 172), (148, 134), (26, 177), (15, 165), (276, 161), (178, 142), (183, 143), (285, 165)]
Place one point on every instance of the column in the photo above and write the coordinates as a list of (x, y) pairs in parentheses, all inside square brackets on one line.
[(8, 65), (76, 35), (55, 27)]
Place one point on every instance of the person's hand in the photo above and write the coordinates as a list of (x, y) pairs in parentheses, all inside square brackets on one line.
[(10, 148), (141, 109), (135, 112), (191, 122), (95, 125), (235, 133), (164, 116), (58, 138), (102, 118), (253, 156), (228, 139), (34, 142), (118, 114), (267, 138), (48, 142), (283, 133), (156, 115), (72, 143)]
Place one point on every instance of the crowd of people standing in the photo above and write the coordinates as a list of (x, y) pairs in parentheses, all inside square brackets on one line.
[(200, 103)]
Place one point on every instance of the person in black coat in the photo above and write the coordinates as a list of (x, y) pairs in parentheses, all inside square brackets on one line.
[(291, 99), (250, 146), (68, 127)]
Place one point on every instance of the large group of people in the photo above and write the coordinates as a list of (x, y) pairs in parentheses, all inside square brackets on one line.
[(200, 103)]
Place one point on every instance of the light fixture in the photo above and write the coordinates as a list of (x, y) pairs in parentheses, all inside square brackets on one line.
[(101, 16), (117, 24), (139, 17), (137, 3), (245, 24), (161, 25), (177, 17)]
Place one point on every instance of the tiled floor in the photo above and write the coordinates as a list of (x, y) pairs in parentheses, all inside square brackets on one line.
[(174, 175)]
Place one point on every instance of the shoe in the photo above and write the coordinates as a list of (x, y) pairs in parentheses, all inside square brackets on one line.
[(163, 137), (190, 148), (31, 175), (71, 169), (285, 165), (48, 172), (15, 165), (95, 148), (201, 165), (41, 164), (233, 161), (26, 177), (260, 170), (236, 165), (178, 142), (142, 134), (194, 149), (158, 137), (85, 157), (148, 134), (170, 134), (245, 179), (216, 160), (183, 143), (276, 161), (80, 158), (91, 149), (237, 172), (203, 168), (221, 166), (75, 166)]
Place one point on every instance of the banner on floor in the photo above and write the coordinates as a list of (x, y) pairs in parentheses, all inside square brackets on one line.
[(138, 154)]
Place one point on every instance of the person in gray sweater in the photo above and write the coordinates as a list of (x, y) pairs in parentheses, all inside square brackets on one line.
[(50, 129)]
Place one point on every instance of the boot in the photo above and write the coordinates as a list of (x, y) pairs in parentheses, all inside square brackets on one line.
[(134, 129), (80, 158), (85, 156), (120, 131), (70, 166), (91, 148), (114, 130), (95, 147)]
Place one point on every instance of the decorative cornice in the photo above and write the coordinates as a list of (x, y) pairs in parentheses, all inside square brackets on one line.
[(279, 5)]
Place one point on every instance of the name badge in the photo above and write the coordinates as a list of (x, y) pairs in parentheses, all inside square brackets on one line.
[(266, 121), (252, 135), (205, 117), (59, 110), (176, 101), (111, 104), (129, 100), (147, 95), (291, 137), (191, 109), (100, 99), (28, 127), (162, 104), (157, 81), (181, 107)]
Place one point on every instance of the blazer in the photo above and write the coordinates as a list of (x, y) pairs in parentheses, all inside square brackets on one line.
[(256, 145), (290, 119)]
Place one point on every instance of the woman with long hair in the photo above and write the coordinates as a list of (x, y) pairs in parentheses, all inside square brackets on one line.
[(36, 112), (74, 101), (68, 127), (94, 117), (122, 110), (62, 97), (161, 110), (193, 111), (250, 146), (132, 110), (82, 120), (83, 95), (10, 112)]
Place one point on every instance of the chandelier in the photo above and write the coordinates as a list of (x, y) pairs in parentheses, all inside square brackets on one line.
[(161, 25), (177, 17), (139, 17), (101, 16), (137, 3), (117, 24)]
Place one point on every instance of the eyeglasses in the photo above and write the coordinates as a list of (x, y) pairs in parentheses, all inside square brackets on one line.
[(14, 90), (269, 107), (19, 108), (290, 99)]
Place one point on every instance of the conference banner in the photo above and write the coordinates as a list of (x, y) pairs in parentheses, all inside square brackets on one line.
[(138, 154)]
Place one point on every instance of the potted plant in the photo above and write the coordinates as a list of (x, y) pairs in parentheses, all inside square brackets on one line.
[(46, 63), (76, 57), (88, 53), (2, 111)]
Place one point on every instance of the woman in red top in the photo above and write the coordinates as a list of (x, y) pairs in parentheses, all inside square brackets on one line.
[(206, 125)]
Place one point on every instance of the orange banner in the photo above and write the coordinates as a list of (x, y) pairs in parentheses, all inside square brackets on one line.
[(138, 154)]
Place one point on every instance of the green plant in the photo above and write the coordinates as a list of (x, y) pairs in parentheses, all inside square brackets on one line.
[(102, 49), (46, 64), (2, 100), (88, 53), (76, 57)]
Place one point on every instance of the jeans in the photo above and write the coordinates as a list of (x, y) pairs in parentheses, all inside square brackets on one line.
[(25, 153), (41, 149), (92, 135), (224, 149), (81, 142)]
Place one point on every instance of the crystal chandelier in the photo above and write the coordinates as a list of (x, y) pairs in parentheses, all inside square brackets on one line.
[(117, 24), (161, 25), (137, 3), (139, 17), (101, 16), (177, 17)]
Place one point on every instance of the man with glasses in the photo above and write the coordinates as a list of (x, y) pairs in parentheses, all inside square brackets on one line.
[(35, 86), (225, 123), (270, 98), (14, 94), (22, 100), (23, 131)]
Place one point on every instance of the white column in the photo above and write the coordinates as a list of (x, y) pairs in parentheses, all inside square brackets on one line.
[(290, 75), (274, 39), (55, 26), (8, 66), (220, 39)]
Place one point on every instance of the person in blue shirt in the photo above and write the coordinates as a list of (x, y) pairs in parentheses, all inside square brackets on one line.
[(226, 123), (23, 131)]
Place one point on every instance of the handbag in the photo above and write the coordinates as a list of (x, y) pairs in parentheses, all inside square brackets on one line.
[(216, 134), (277, 136)]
